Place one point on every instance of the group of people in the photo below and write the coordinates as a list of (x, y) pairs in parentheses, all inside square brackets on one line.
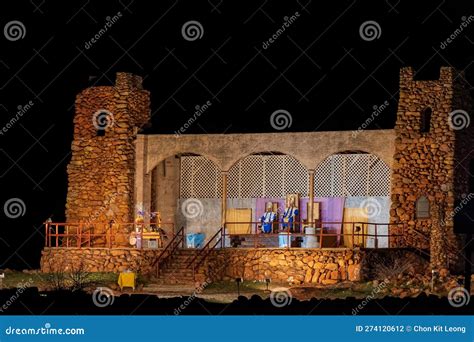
[(287, 221)]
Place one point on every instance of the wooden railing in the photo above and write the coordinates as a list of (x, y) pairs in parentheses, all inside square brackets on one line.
[(329, 232), (99, 234), (168, 251)]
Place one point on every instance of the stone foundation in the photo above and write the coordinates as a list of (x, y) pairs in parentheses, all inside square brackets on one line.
[(97, 259), (322, 266)]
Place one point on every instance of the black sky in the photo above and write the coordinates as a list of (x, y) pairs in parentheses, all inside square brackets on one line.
[(320, 70)]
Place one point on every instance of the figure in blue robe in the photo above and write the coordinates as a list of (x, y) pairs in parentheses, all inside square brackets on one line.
[(288, 218), (267, 220)]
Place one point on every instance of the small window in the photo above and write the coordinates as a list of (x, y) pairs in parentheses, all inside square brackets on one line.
[(102, 120), (425, 120), (422, 208)]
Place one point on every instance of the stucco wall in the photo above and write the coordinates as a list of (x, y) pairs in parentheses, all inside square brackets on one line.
[(310, 148)]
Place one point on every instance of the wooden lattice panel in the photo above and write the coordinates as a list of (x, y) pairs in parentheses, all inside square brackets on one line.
[(352, 175), (200, 178), (252, 177)]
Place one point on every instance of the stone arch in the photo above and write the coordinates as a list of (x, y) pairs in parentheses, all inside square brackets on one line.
[(359, 173), (237, 157), (267, 174), (153, 159)]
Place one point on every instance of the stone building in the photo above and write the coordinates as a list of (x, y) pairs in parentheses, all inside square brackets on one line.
[(410, 176)]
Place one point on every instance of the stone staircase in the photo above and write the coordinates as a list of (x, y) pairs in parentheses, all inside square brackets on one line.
[(176, 268)]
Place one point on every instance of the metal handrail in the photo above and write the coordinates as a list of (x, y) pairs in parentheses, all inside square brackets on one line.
[(205, 251), (171, 246)]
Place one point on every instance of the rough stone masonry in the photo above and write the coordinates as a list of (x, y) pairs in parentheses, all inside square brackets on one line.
[(428, 161)]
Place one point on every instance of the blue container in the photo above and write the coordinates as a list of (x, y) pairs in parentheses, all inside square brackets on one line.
[(195, 240)]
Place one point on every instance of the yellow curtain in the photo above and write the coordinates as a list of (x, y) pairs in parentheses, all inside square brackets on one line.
[(357, 215), (239, 215)]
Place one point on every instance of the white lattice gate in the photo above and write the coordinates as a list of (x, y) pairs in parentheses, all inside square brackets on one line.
[(351, 175), (255, 176)]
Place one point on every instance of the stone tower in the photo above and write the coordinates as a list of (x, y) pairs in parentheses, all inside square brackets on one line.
[(102, 167), (428, 170)]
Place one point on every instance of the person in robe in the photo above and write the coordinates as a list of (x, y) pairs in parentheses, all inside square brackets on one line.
[(289, 216), (267, 219)]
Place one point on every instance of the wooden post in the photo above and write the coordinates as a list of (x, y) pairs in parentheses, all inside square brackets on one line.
[(224, 198), (353, 231), (311, 197), (46, 227), (376, 242)]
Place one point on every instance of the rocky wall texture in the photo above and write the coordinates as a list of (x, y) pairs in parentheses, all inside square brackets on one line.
[(324, 266), (101, 170), (98, 259), (424, 161)]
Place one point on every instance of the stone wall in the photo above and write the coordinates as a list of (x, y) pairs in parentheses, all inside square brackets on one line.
[(321, 266), (325, 266), (101, 171), (424, 161), (98, 259)]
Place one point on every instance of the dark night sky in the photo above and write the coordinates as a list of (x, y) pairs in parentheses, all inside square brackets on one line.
[(320, 70)]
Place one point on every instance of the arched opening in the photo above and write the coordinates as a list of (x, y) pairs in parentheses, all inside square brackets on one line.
[(422, 208), (425, 123), (185, 191), (261, 181), (353, 187)]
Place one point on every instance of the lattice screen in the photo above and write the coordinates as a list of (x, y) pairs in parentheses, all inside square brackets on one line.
[(352, 175), (252, 177), (200, 178), (278, 175), (267, 176)]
